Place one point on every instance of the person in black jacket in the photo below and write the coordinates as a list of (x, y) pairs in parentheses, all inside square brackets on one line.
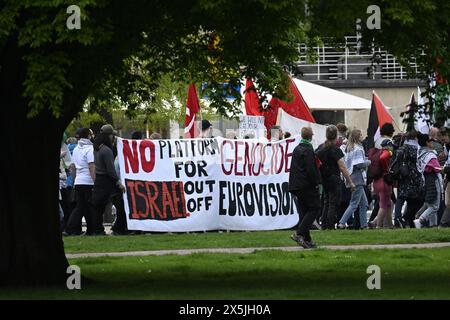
[(304, 180), (107, 183)]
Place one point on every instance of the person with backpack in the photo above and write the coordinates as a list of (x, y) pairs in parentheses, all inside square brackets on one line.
[(332, 165), (357, 164), (380, 160), (429, 164), (410, 188)]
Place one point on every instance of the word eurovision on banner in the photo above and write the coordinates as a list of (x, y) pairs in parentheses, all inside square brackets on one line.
[(207, 184)]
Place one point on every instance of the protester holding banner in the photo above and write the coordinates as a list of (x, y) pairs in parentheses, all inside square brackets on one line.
[(107, 183), (304, 180), (332, 167), (357, 165)]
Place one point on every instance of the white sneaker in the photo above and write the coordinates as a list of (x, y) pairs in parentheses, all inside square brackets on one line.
[(341, 226), (418, 223)]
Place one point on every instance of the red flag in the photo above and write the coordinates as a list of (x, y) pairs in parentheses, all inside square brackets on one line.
[(192, 108), (377, 118), (296, 108), (252, 105)]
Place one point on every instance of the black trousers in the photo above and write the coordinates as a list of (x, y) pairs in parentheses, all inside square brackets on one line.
[(83, 208), (412, 207), (120, 225), (309, 203), (104, 189), (331, 202)]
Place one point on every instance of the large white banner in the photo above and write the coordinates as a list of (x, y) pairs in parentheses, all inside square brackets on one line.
[(207, 184)]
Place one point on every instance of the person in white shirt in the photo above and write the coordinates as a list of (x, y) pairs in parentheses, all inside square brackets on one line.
[(84, 171)]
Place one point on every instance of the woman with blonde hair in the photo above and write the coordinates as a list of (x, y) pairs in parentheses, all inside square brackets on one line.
[(357, 164)]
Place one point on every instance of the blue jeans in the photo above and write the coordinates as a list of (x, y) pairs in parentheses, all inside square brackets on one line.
[(358, 199)]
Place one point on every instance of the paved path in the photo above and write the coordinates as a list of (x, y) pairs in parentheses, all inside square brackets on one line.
[(251, 250)]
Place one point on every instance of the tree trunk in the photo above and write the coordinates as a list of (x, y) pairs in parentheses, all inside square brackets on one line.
[(31, 246)]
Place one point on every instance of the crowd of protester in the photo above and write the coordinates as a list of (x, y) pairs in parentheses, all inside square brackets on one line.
[(90, 180), (402, 178)]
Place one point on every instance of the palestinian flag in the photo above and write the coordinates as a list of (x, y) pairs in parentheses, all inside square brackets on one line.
[(378, 117)]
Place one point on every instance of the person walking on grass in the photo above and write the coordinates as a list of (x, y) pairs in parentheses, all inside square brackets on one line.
[(357, 164), (84, 177), (410, 188), (384, 148), (107, 183), (429, 165), (304, 180), (332, 165)]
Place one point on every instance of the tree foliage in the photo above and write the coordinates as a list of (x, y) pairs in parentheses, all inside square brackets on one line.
[(122, 51), (411, 30)]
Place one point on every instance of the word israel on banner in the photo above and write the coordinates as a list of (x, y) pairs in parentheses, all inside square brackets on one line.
[(252, 126), (207, 184)]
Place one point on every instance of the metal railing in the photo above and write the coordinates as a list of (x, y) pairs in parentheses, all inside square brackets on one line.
[(349, 62)]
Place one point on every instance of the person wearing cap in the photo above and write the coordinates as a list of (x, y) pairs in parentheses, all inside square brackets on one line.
[(205, 129)]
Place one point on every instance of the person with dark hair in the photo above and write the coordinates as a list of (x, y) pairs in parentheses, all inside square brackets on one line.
[(287, 135), (119, 226), (107, 183), (137, 135), (380, 158), (428, 164), (84, 174), (387, 130), (332, 165), (304, 180), (342, 134), (205, 129), (409, 181)]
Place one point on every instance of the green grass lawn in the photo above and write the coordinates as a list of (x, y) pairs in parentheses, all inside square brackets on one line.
[(248, 239), (318, 274)]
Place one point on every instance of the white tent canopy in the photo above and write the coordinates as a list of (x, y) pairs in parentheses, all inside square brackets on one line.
[(321, 98)]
